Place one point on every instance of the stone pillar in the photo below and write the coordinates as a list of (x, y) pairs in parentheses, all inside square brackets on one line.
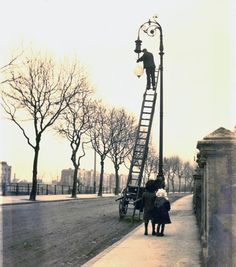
[(197, 190), (217, 167)]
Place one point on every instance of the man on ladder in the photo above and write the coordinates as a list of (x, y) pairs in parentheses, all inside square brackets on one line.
[(149, 65)]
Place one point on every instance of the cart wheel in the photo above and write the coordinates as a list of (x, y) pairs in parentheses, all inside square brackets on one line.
[(122, 209)]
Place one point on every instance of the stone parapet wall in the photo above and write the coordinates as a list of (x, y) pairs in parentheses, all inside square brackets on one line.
[(215, 195)]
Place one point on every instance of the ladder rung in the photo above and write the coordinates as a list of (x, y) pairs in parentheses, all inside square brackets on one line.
[(148, 107), (149, 96), (138, 158), (141, 138), (147, 100), (138, 152), (136, 163), (135, 160), (140, 145), (141, 150)]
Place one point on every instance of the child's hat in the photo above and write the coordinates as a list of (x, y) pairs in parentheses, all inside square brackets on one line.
[(161, 193)]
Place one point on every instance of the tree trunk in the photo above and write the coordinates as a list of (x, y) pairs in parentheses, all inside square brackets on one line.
[(117, 189), (101, 178), (75, 181), (185, 184), (191, 186), (168, 183), (179, 184), (173, 186), (35, 171)]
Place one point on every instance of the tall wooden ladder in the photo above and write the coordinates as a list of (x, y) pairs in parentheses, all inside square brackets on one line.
[(140, 151)]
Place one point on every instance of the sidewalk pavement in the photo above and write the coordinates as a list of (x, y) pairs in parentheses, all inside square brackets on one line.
[(12, 200), (180, 247)]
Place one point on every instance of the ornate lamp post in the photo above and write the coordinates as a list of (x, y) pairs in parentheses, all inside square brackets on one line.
[(150, 28)]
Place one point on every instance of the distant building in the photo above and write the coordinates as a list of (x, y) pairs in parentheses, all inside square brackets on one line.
[(40, 181), (54, 182), (87, 179), (67, 177), (5, 173)]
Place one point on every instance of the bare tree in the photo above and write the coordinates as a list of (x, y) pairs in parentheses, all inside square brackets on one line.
[(167, 171), (179, 171), (6, 66), (151, 164), (122, 132), (36, 91), (100, 134), (74, 125), (175, 168), (170, 169), (188, 176)]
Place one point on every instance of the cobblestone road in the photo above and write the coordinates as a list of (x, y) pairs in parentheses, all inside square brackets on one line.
[(59, 233)]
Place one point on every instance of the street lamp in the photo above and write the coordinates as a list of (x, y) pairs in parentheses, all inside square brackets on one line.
[(138, 71), (150, 28)]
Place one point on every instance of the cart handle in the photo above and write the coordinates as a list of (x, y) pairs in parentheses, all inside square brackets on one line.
[(119, 198), (137, 200)]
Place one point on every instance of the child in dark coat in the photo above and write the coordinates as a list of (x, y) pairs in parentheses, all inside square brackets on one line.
[(161, 211), (148, 199)]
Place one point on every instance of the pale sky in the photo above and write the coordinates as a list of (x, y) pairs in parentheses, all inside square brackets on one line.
[(199, 67)]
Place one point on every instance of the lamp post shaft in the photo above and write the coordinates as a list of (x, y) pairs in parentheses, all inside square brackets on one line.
[(161, 53)]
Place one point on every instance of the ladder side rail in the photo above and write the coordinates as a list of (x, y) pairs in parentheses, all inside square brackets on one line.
[(145, 154), (136, 140), (138, 131), (149, 131), (147, 140), (146, 144)]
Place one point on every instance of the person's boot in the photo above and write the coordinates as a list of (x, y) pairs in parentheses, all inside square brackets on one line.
[(153, 229), (146, 229), (158, 230), (162, 230)]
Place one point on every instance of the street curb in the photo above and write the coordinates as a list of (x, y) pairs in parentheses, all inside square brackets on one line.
[(36, 202), (48, 201)]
